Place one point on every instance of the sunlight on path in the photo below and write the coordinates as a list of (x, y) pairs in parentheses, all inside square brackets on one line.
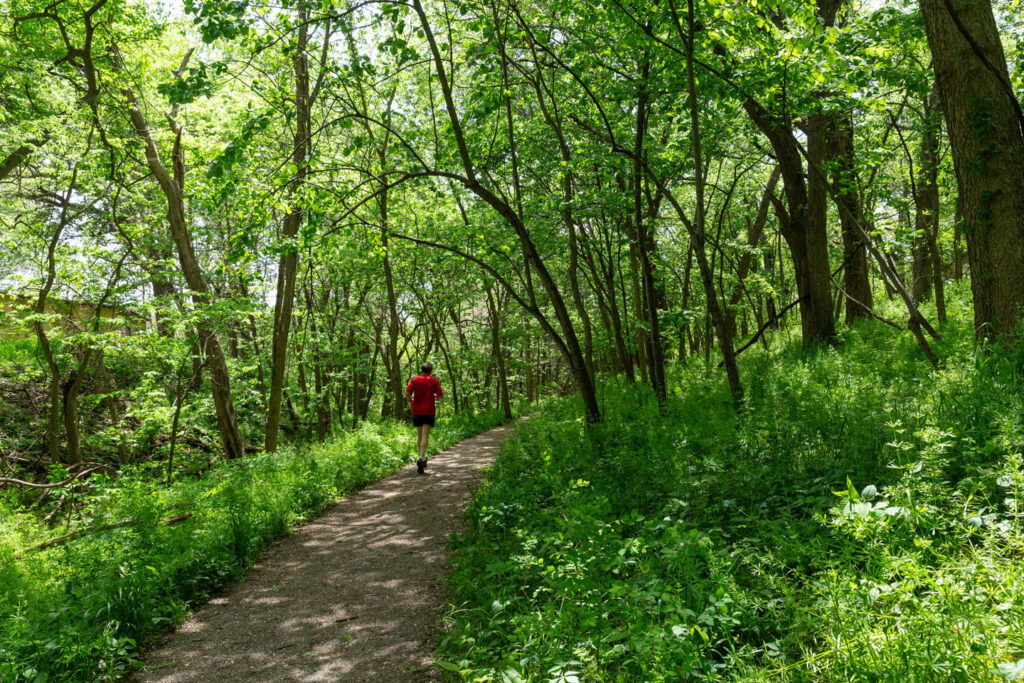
[(351, 596)]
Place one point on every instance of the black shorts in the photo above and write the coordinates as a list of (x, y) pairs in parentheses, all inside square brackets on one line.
[(420, 420)]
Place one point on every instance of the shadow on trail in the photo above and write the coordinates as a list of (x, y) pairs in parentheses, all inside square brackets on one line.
[(351, 596)]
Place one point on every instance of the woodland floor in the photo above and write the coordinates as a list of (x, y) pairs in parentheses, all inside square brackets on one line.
[(351, 596)]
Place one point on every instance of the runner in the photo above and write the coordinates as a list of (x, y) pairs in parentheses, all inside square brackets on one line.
[(421, 392)]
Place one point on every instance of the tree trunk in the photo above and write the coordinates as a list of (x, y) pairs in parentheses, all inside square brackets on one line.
[(921, 263), (288, 263), (856, 273), (71, 419), (816, 233), (123, 455), (698, 230), (806, 233), (231, 438), (927, 218), (567, 197), (986, 130), (53, 411), (656, 356), (808, 245), (394, 368), (499, 355)]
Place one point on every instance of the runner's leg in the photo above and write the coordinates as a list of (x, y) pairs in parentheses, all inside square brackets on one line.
[(421, 462), (421, 441), (425, 442)]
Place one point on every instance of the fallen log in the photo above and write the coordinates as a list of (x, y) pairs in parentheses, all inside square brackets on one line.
[(33, 485), (87, 531)]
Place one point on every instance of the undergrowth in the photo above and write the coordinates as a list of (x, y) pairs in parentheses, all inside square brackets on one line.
[(81, 610), (17, 350), (858, 520)]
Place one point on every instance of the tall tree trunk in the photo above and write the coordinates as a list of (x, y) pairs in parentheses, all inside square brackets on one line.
[(986, 131), (172, 188), (856, 273), (53, 411), (928, 199), (655, 350), (807, 245), (806, 230), (395, 404), (568, 197), (816, 235), (499, 355), (639, 330), (698, 231), (288, 263)]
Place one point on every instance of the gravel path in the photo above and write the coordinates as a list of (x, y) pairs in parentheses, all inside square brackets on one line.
[(351, 596)]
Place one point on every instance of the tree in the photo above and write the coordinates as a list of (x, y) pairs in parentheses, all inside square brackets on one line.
[(986, 131), (565, 336), (173, 189)]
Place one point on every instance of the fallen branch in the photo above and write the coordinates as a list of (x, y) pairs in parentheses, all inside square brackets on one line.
[(56, 508), (61, 540), (866, 308), (762, 330), (42, 496), (32, 485), (30, 462)]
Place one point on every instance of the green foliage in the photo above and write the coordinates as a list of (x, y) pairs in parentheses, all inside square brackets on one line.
[(17, 352), (219, 18), (860, 520), (80, 611), (188, 88)]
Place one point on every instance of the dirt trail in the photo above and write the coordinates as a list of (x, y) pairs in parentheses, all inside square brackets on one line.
[(351, 596)]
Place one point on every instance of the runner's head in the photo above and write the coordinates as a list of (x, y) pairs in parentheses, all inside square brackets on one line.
[(426, 368)]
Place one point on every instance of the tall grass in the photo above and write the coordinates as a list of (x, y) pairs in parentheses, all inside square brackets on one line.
[(81, 610), (860, 519)]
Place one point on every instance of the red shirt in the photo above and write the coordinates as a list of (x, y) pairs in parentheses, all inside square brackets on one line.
[(424, 388)]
